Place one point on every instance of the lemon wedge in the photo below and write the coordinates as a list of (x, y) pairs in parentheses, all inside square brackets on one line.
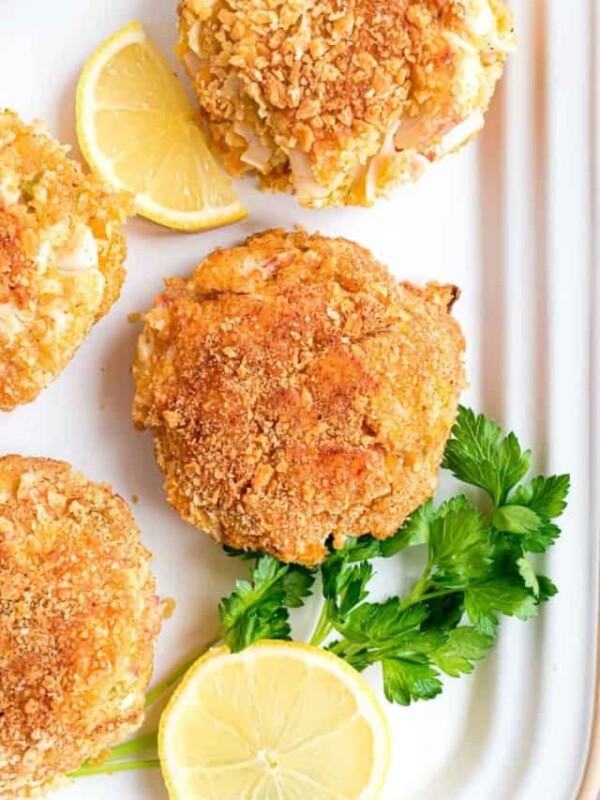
[(137, 129), (278, 721)]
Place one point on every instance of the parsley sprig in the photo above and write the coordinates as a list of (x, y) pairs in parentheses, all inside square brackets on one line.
[(259, 608), (477, 568)]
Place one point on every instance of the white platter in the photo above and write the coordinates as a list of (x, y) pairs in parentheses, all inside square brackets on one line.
[(511, 221)]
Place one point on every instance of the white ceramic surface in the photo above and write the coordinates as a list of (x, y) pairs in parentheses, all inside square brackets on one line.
[(510, 221)]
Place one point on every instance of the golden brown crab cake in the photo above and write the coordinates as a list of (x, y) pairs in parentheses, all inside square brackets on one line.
[(79, 618), (61, 257), (296, 391), (338, 100)]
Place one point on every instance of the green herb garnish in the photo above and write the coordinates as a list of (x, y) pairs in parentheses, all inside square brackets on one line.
[(258, 608), (477, 569)]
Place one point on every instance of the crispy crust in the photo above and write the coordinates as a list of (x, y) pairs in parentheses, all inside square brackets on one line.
[(338, 100), (46, 311), (79, 618), (296, 391)]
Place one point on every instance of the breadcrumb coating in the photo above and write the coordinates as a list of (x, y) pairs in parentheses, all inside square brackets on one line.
[(339, 100), (61, 257), (296, 391), (79, 618)]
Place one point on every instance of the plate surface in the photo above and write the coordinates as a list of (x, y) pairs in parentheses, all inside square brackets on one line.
[(508, 220)]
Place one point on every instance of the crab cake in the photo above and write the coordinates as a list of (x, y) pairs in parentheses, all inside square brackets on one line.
[(296, 391), (61, 257), (79, 618), (338, 100)]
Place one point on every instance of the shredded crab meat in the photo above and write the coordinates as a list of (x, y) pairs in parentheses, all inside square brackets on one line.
[(461, 133), (203, 8), (10, 321), (468, 76), (303, 178), (411, 136), (60, 318), (194, 39), (482, 22), (403, 139), (231, 87), (9, 192), (144, 350), (257, 154), (79, 253), (193, 63), (266, 268), (43, 257), (404, 135)]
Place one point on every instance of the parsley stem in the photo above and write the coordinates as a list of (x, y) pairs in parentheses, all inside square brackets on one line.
[(351, 648), (178, 673), (107, 767), (416, 595), (133, 747), (440, 593), (323, 627)]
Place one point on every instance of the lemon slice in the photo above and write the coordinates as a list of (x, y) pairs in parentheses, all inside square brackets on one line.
[(278, 721), (137, 129)]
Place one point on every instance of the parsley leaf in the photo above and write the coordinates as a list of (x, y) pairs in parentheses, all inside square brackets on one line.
[(414, 531), (540, 540), (546, 588), (244, 555), (405, 680), (445, 612), (346, 574), (418, 641), (478, 453), (352, 586), (516, 519), (547, 497), (460, 547), (360, 549), (297, 585), (463, 646), (527, 572), (507, 596), (258, 608), (376, 624)]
